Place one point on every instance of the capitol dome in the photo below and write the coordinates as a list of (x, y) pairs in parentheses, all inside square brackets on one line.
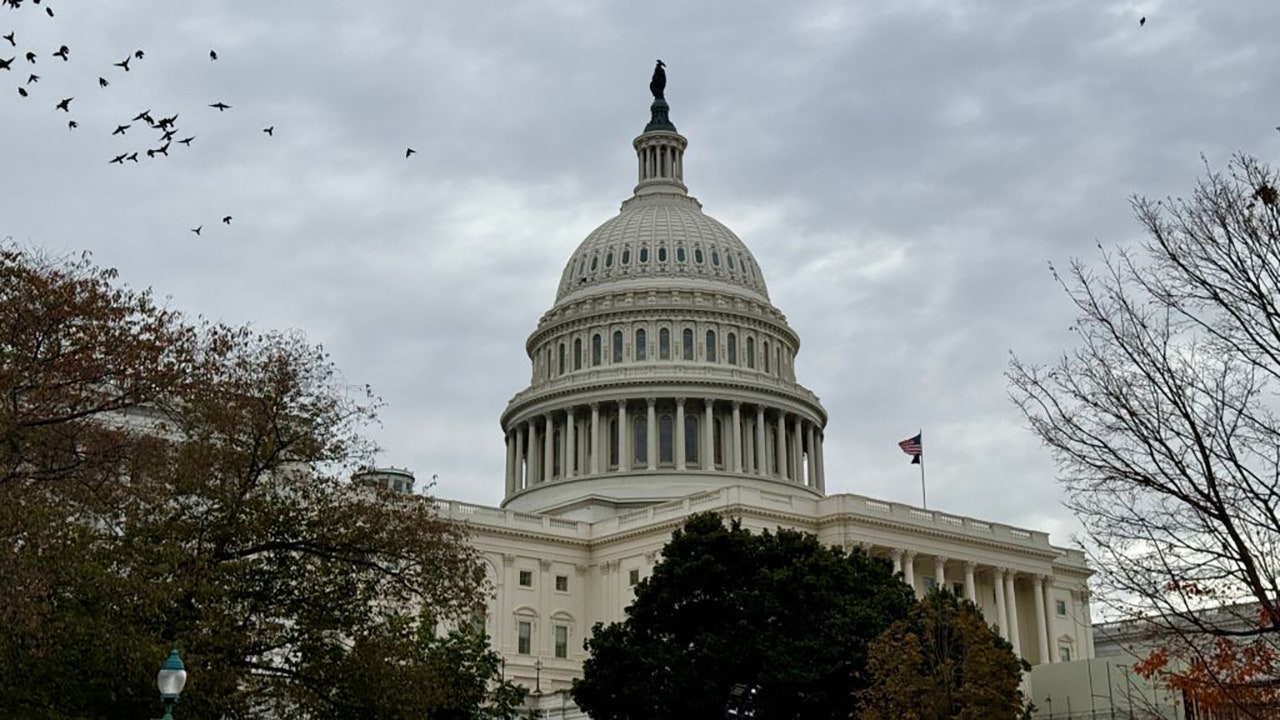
[(662, 369)]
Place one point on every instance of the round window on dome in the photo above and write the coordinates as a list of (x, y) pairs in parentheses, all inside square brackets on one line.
[(715, 258), (608, 259), (662, 254), (644, 255), (626, 257), (697, 255), (680, 257)]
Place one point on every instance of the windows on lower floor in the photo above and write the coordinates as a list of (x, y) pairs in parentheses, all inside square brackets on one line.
[(524, 637), (562, 641)]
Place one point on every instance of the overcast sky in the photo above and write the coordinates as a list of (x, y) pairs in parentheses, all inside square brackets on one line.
[(903, 172)]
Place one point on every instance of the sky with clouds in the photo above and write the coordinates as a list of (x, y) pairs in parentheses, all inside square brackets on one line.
[(903, 172)]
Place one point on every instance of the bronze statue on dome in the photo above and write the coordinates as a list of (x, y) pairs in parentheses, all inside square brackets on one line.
[(659, 82)]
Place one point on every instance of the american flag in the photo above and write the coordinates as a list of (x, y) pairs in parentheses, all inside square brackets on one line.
[(913, 447)]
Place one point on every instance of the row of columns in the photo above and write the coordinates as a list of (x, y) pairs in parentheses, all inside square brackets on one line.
[(1004, 581), (796, 455)]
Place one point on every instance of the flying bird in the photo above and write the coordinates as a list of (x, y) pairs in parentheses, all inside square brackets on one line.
[(409, 151), (33, 78), (226, 220), (49, 10), (62, 53), (212, 56), (118, 160), (120, 129), (270, 130), (133, 156), (197, 229), (9, 37), (31, 57), (168, 135), (163, 149), (1142, 21), (167, 122), (124, 64), (65, 105), (187, 141), (4, 64), (22, 91), (221, 106), (102, 82), (72, 124), (137, 54)]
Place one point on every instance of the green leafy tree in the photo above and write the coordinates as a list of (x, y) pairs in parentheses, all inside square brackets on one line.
[(943, 661), (777, 612), (165, 482)]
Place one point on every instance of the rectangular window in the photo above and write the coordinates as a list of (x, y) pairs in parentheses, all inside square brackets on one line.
[(930, 584), (526, 578), (562, 641), (562, 583), (664, 344), (524, 637), (1060, 608), (617, 346), (633, 578), (957, 589), (1064, 653), (686, 344)]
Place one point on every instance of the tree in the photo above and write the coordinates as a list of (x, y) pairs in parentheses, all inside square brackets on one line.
[(942, 661), (777, 612), (1163, 424), (164, 482)]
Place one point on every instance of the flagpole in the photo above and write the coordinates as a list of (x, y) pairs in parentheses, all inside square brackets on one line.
[(924, 499)]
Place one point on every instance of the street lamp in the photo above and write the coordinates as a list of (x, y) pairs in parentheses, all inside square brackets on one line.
[(171, 679), (537, 678)]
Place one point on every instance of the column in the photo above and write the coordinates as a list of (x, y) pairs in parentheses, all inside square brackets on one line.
[(812, 476), (1011, 602), (822, 467), (510, 461), (548, 449), (1047, 591), (737, 437), (534, 466), (781, 437), (571, 440), (1087, 615), (762, 455), (679, 438), (1042, 632), (1002, 617), (970, 588), (563, 447), (708, 454), (651, 439), (797, 457), (595, 438), (624, 458), (940, 572), (909, 568), (897, 560), (522, 456)]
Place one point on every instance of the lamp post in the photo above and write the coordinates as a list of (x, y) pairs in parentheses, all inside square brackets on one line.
[(537, 678), (171, 679)]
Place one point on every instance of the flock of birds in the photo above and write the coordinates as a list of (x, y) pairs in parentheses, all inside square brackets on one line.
[(165, 128)]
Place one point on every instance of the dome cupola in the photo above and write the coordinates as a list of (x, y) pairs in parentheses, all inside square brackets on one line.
[(662, 369)]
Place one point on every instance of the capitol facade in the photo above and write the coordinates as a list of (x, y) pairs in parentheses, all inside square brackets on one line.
[(663, 384)]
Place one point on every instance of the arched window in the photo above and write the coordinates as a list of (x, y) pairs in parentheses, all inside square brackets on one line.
[(777, 359), (613, 442), (687, 341), (595, 349), (577, 353), (718, 438), (626, 256), (617, 346), (751, 353), (608, 259), (691, 438), (731, 348), (561, 358), (766, 356), (711, 346), (697, 255), (715, 258), (546, 364), (680, 256), (644, 254), (729, 258), (664, 344), (662, 254), (666, 441), (640, 439), (642, 346), (595, 261)]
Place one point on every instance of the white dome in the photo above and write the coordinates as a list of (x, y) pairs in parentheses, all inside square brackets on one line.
[(662, 236)]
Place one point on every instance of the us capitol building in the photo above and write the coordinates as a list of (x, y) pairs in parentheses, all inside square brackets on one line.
[(663, 384)]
